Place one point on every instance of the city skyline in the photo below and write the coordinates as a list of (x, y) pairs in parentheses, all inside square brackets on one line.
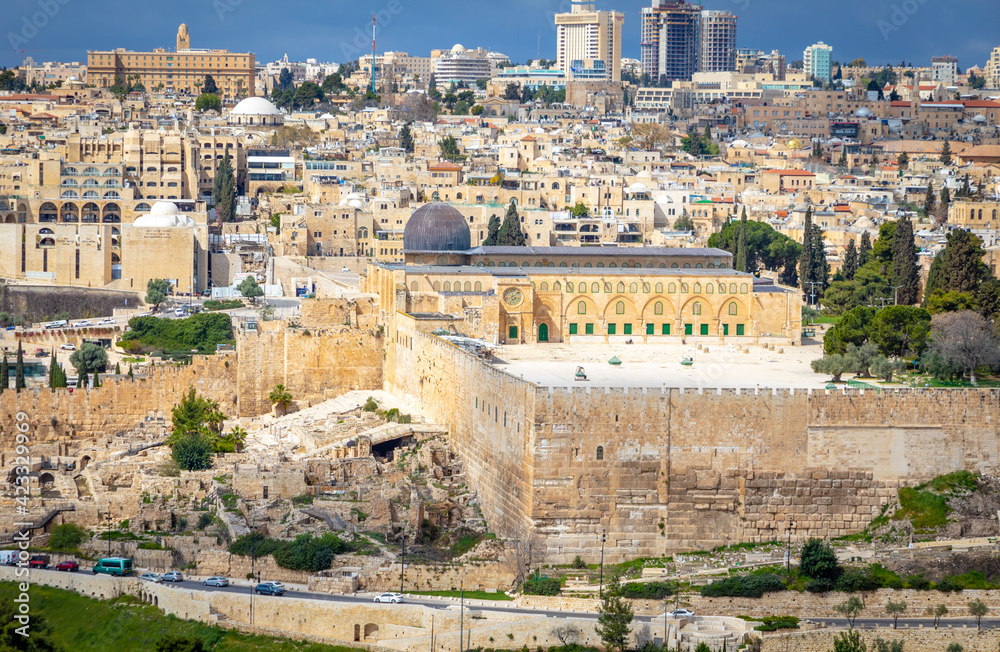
[(880, 31)]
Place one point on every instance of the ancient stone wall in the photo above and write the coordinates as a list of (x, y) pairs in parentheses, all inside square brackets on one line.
[(313, 364), (914, 640), (61, 416)]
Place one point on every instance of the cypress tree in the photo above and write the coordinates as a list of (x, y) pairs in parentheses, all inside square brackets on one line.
[(60, 377), (406, 139), (905, 268), (493, 233), (741, 245), (929, 201), (4, 374), (52, 374), (865, 252), (130, 372), (224, 191), (850, 261), (118, 369), (19, 383), (510, 234), (946, 153), (806, 262), (97, 379), (821, 266), (945, 202)]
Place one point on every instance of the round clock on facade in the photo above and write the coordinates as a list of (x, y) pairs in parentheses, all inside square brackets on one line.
[(513, 297)]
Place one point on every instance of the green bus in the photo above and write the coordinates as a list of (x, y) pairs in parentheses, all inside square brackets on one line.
[(117, 566)]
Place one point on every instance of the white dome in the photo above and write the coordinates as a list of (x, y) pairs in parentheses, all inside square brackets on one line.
[(458, 49), (163, 215), (355, 203), (255, 106), (979, 118), (637, 187), (739, 144), (863, 112)]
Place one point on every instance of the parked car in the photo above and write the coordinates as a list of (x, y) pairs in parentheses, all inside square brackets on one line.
[(345, 270), (151, 577), (39, 561), (172, 576), (179, 312), (57, 324), (107, 321), (216, 581), (268, 588), (389, 597), (68, 347), (681, 613), (41, 353), (81, 324), (69, 566)]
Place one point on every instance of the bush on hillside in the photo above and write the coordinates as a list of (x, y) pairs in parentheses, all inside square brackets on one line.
[(744, 586)]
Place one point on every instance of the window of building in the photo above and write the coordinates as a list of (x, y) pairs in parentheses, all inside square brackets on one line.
[(696, 308), (572, 329), (607, 288), (733, 309), (645, 288), (612, 329), (732, 288), (595, 288), (704, 329), (569, 286), (740, 330), (512, 333), (744, 288), (600, 452), (581, 308), (589, 329), (658, 308), (697, 288)]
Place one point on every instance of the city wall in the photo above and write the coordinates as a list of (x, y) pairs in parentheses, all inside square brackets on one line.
[(914, 640), (314, 364), (59, 416)]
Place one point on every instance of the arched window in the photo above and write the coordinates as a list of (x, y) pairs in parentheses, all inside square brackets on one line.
[(621, 287), (550, 265), (141, 208), (595, 288), (581, 308), (658, 308), (600, 452), (607, 288), (600, 264), (536, 265), (480, 264), (624, 265), (659, 288), (528, 265), (710, 289), (112, 195), (545, 286), (569, 286), (696, 308), (733, 309), (587, 265), (697, 288), (503, 264), (722, 288), (663, 266), (744, 288), (562, 264), (672, 288), (69, 194), (732, 288), (437, 286), (557, 287), (645, 288), (698, 266), (685, 288), (687, 265), (673, 266), (447, 286), (613, 266), (468, 286), (478, 287), (413, 286), (633, 288), (620, 308)]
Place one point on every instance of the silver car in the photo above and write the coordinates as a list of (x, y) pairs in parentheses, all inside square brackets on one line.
[(151, 577), (216, 581), (172, 576)]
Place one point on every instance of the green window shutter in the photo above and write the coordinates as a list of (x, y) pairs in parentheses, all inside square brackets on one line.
[(666, 329), (740, 329), (572, 329), (650, 329), (612, 328), (704, 329), (628, 329), (725, 329), (689, 329), (590, 329)]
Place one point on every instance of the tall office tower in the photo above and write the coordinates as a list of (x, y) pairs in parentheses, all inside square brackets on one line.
[(945, 70), (669, 39), (817, 61), (589, 40), (718, 42)]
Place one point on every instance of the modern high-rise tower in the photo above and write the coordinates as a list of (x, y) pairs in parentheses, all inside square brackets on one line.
[(817, 61), (679, 39), (589, 40), (718, 42)]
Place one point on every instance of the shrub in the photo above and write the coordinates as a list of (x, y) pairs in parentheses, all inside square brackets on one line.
[(193, 452), (202, 332), (774, 623), (579, 563), (926, 510), (818, 561), (305, 553), (744, 586), (542, 586), (204, 521), (819, 586), (918, 582), (650, 591), (67, 536)]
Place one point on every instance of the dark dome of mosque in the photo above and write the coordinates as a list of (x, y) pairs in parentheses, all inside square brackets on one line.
[(437, 227)]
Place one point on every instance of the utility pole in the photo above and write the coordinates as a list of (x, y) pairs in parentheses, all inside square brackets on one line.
[(600, 590), (788, 554), (812, 295), (895, 291), (107, 517), (461, 614), (402, 562)]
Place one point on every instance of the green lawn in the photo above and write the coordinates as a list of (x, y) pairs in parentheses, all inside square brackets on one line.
[(470, 595), (80, 624)]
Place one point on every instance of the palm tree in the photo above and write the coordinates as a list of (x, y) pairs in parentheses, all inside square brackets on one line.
[(280, 396), (215, 418), (238, 436)]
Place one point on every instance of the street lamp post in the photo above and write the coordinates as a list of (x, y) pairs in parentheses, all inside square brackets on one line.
[(402, 561), (788, 554), (600, 590), (253, 541), (107, 517)]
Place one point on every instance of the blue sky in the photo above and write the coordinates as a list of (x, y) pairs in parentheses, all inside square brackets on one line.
[(338, 30)]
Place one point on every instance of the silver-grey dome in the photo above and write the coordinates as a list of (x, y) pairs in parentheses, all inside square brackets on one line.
[(437, 227)]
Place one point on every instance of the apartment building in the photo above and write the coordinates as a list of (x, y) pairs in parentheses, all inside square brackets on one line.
[(945, 70), (587, 39), (718, 42), (993, 69), (817, 60), (669, 45), (182, 71), (460, 65)]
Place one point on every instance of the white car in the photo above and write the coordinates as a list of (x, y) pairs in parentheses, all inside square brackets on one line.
[(179, 312), (389, 597), (681, 613), (216, 581), (107, 322), (151, 577), (81, 324), (68, 347)]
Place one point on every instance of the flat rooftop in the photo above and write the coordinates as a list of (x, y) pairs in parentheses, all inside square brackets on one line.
[(659, 365)]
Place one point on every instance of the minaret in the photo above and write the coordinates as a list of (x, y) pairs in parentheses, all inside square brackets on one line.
[(183, 38)]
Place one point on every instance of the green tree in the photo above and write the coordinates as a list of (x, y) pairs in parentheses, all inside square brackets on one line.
[(905, 268), (210, 86), (966, 341), (978, 609), (449, 149), (818, 561), (834, 365), (614, 618), (224, 191), (945, 203), (806, 262), (4, 374), (884, 369), (929, 199), (208, 102), (850, 266), (89, 358), (172, 643), (280, 397), (19, 382), (766, 249), (579, 210), (37, 638), (741, 246), (83, 381), (58, 376), (854, 327), (67, 536), (903, 160), (193, 452), (895, 610), (249, 288), (988, 299), (406, 138), (850, 609), (959, 267), (511, 234), (938, 612), (951, 302), (901, 330), (683, 223), (864, 251), (156, 292), (946, 153), (493, 232), (189, 416)]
